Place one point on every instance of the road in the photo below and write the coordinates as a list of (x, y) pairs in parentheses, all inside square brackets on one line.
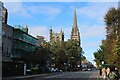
[(78, 75)]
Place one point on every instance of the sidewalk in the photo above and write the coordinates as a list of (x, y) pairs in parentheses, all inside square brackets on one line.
[(28, 76), (23, 77), (94, 76)]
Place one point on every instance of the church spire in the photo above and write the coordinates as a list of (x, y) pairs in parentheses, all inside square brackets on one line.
[(61, 30), (75, 19), (75, 35)]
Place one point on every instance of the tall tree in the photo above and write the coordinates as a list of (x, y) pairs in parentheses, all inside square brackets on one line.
[(112, 42), (66, 53)]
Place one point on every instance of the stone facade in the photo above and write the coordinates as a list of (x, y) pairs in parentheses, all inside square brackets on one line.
[(7, 31), (56, 37), (6, 41), (75, 35), (4, 15)]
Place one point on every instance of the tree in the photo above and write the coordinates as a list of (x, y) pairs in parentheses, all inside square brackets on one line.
[(41, 56), (66, 53), (100, 55), (74, 52), (111, 47), (111, 19)]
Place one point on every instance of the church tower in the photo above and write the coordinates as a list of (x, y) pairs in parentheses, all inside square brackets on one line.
[(61, 36), (75, 35), (56, 37)]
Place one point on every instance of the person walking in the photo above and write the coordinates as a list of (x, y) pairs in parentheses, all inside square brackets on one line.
[(104, 73), (108, 72), (100, 72)]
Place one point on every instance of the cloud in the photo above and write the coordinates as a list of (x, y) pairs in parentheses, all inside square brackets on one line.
[(91, 43), (46, 10), (21, 9), (95, 10), (86, 31), (89, 31), (39, 30), (67, 32), (17, 8), (44, 31)]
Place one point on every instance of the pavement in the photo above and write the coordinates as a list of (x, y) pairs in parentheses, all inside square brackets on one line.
[(23, 77), (94, 76)]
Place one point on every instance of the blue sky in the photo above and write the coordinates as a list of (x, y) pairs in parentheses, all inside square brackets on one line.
[(40, 16)]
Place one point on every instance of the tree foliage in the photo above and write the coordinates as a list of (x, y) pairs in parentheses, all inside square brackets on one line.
[(66, 53), (109, 50)]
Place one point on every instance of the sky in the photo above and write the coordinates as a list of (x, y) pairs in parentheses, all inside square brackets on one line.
[(40, 16)]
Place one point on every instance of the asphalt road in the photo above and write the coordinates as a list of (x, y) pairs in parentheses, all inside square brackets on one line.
[(77, 75)]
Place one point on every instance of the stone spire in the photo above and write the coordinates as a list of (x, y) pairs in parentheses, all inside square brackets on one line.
[(75, 35), (61, 30), (75, 19)]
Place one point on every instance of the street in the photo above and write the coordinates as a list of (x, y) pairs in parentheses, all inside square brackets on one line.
[(77, 75)]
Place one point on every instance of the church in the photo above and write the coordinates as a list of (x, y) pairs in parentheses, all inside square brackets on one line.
[(75, 35), (56, 37)]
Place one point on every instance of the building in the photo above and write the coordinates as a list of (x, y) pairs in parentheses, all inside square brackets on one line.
[(1, 6), (75, 35), (56, 37), (16, 42), (7, 32), (23, 43), (7, 39), (4, 15)]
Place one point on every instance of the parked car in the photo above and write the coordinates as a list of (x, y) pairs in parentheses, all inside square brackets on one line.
[(89, 69), (54, 69), (84, 69)]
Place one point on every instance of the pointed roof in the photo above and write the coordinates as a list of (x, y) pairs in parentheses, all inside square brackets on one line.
[(75, 19), (61, 30)]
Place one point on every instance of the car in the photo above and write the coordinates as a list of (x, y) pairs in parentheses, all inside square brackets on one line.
[(89, 69), (54, 69), (84, 69), (61, 70)]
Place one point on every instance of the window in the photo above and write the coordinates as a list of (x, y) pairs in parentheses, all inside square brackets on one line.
[(2, 46)]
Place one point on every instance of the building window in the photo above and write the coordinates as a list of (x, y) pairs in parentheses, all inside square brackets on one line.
[(2, 46), (7, 52)]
